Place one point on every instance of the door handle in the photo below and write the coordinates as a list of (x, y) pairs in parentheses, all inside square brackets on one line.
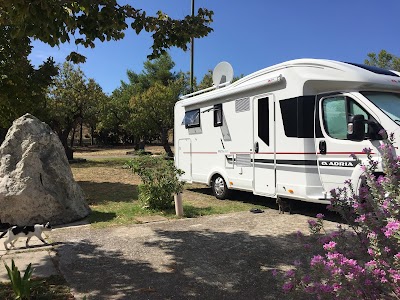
[(322, 147), (256, 147)]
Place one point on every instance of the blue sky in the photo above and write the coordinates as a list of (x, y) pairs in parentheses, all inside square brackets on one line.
[(250, 35)]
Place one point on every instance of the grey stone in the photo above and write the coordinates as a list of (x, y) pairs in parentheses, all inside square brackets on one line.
[(36, 182)]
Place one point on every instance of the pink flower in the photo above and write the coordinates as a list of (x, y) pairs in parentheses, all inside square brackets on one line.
[(330, 246), (312, 222), (297, 263), (320, 216), (391, 227), (361, 218), (287, 286), (317, 259), (371, 264), (289, 273)]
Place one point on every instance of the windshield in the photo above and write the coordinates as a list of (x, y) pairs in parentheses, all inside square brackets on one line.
[(389, 103)]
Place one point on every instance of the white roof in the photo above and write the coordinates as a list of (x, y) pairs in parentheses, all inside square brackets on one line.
[(305, 76)]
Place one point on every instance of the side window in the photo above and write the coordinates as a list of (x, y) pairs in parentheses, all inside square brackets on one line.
[(192, 118), (335, 117), (355, 109), (336, 111), (218, 115), (298, 116), (289, 116), (263, 120)]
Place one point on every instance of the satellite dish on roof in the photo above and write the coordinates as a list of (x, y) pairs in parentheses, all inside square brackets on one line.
[(223, 73)]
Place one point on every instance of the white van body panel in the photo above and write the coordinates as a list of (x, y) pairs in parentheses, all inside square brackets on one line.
[(251, 146)]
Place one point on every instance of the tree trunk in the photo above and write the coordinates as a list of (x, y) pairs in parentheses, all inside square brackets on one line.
[(91, 135), (64, 141), (72, 137), (81, 135), (164, 142)]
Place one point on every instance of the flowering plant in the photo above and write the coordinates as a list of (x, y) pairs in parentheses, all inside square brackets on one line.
[(362, 259)]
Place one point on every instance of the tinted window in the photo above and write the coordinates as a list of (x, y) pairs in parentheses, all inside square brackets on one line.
[(305, 116), (289, 116), (218, 115), (263, 120), (298, 116), (192, 118)]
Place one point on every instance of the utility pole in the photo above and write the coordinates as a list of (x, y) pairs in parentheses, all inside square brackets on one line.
[(192, 57)]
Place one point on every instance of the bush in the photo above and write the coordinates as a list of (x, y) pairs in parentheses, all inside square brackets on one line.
[(361, 260), (21, 286), (159, 181)]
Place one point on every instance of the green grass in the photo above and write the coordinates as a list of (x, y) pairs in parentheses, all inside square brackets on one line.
[(101, 162), (51, 288), (111, 191)]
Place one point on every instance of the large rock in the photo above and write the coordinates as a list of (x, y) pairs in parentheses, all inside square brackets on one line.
[(36, 183)]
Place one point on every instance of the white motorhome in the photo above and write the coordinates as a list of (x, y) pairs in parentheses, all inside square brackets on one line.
[(288, 130)]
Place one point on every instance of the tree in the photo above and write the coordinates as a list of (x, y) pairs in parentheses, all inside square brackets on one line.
[(22, 87), (56, 22), (71, 98), (383, 60), (115, 123), (148, 99), (153, 110), (92, 108)]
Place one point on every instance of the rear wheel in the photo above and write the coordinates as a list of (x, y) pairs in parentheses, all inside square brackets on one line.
[(219, 188)]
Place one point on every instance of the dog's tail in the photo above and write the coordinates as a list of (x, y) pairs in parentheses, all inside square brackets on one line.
[(3, 234)]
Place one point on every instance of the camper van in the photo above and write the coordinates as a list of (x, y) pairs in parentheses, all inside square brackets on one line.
[(294, 130)]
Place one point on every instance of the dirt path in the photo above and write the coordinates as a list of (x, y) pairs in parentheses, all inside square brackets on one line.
[(217, 257)]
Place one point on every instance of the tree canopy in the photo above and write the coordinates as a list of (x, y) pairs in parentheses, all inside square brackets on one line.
[(72, 99), (383, 60), (84, 21), (22, 87)]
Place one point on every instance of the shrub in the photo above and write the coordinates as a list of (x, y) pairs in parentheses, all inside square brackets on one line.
[(21, 286), (159, 181), (362, 259)]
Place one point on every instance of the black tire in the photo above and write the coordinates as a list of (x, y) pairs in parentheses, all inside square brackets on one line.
[(219, 187)]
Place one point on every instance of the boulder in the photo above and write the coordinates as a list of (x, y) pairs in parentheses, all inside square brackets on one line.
[(36, 182)]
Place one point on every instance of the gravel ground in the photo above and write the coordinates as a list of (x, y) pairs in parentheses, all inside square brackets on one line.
[(215, 257)]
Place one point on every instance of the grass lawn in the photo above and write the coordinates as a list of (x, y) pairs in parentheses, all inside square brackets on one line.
[(111, 191)]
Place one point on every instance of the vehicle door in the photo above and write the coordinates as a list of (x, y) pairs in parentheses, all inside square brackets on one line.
[(263, 150), (335, 151)]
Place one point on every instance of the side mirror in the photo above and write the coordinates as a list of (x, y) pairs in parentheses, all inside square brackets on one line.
[(356, 128)]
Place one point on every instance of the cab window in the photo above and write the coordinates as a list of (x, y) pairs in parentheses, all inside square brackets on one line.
[(336, 112)]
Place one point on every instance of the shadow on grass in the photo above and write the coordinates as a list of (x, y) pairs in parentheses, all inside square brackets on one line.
[(98, 216), (191, 211), (102, 192), (298, 207), (101, 162)]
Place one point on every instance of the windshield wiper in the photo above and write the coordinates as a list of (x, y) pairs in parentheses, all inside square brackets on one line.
[(397, 121)]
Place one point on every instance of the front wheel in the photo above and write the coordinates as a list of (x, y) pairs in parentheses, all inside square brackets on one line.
[(219, 188)]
